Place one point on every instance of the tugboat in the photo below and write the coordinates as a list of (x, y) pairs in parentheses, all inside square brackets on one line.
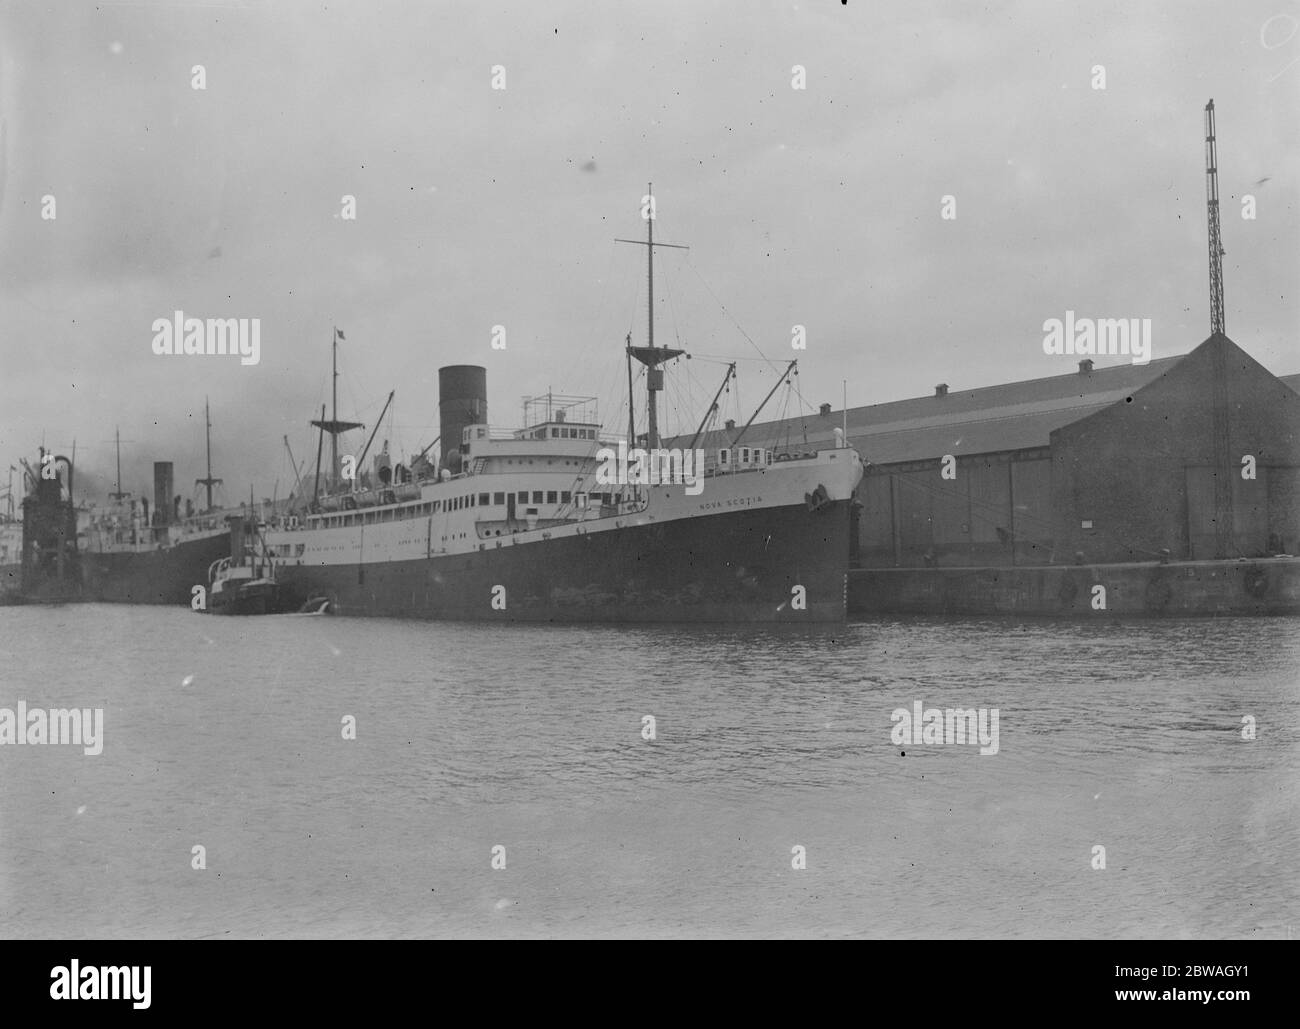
[(245, 586)]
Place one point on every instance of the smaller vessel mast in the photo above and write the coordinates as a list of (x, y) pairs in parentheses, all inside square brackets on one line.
[(208, 481), (117, 494)]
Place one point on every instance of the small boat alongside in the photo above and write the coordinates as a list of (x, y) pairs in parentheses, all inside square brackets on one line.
[(246, 586)]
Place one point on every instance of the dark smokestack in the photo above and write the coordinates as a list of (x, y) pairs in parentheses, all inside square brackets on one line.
[(162, 491), (462, 401)]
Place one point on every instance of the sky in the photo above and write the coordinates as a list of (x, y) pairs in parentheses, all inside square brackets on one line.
[(475, 207)]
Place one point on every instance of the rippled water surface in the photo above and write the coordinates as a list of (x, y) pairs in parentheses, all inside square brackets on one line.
[(226, 733)]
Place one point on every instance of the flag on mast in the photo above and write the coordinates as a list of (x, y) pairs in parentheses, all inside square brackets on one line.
[(338, 334)]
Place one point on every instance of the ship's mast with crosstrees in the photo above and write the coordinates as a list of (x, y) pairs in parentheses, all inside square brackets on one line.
[(650, 355)]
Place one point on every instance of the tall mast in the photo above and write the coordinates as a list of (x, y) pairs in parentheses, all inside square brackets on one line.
[(650, 272), (333, 426), (334, 413), (117, 440), (208, 481), (651, 356)]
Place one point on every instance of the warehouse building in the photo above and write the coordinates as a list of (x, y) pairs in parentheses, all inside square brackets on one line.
[(1184, 458)]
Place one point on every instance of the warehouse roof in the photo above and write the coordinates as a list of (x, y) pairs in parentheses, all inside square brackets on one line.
[(1011, 416)]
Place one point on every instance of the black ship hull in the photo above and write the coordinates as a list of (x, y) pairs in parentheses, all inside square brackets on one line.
[(165, 576), (742, 566)]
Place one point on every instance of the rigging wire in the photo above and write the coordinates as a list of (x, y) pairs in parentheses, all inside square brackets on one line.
[(740, 329)]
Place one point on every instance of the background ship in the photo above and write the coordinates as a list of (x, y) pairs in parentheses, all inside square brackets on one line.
[(49, 561), (135, 556), (11, 541)]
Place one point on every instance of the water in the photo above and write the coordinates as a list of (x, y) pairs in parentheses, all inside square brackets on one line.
[(226, 733)]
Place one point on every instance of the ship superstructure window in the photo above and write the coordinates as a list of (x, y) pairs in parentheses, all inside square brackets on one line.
[(537, 496), (521, 497), (484, 499), (565, 496), (552, 497), (498, 498)]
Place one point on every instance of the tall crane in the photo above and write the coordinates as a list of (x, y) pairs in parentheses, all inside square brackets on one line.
[(1224, 530), (1212, 210)]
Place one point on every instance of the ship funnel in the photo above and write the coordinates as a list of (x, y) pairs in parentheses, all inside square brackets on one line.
[(462, 401), (162, 492)]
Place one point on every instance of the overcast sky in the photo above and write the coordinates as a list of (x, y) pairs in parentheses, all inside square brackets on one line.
[(478, 207)]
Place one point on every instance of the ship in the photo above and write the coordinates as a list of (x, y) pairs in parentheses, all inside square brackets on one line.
[(11, 543), (134, 556), (527, 524), (49, 568), (244, 585)]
